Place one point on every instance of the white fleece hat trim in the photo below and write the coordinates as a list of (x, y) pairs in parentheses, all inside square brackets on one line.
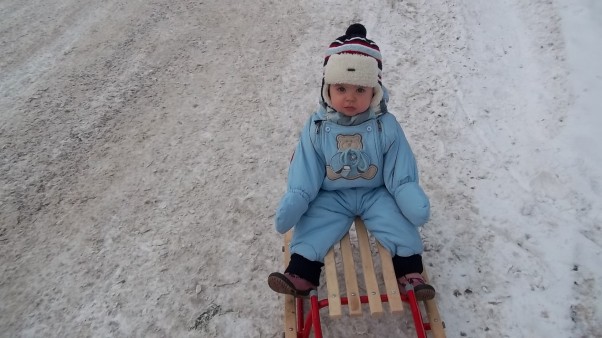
[(355, 69)]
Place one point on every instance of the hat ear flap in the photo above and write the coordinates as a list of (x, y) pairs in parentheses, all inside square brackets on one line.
[(326, 94), (376, 97)]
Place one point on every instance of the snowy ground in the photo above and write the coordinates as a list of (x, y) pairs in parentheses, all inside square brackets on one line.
[(144, 146)]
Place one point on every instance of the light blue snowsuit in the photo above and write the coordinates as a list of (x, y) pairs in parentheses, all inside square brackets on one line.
[(365, 169)]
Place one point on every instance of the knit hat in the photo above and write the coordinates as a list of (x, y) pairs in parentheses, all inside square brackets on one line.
[(353, 59)]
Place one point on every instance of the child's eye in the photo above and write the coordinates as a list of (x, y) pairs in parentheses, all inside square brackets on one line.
[(361, 90), (341, 89)]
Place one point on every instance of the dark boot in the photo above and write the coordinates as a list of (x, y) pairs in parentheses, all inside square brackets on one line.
[(408, 271), (290, 284), (422, 290), (299, 279)]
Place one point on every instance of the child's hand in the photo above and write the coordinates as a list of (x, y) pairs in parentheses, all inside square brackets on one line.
[(413, 203), (291, 208)]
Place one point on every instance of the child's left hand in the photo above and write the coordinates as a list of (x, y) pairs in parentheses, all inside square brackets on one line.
[(413, 203)]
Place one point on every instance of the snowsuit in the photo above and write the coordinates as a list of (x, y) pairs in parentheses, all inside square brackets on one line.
[(338, 172)]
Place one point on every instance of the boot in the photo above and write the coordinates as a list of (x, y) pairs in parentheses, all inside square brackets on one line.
[(290, 284), (422, 290)]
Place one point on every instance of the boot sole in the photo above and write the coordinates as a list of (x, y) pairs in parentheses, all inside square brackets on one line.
[(424, 292), (280, 284)]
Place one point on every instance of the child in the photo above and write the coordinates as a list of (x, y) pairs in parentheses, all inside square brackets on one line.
[(352, 160)]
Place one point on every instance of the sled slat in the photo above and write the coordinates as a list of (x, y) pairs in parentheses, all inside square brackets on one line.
[(290, 309), (395, 304), (332, 285), (353, 294), (437, 325), (376, 306)]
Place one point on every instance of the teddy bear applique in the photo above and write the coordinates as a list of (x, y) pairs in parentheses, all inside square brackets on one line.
[(350, 162)]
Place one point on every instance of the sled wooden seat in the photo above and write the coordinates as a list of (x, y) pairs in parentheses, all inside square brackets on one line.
[(296, 325)]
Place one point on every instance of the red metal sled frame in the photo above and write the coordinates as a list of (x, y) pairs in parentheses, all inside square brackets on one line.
[(312, 320)]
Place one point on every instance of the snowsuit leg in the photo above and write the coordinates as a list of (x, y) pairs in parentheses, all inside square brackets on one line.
[(325, 223), (386, 223)]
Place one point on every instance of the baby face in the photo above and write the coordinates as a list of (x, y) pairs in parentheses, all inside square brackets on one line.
[(350, 100)]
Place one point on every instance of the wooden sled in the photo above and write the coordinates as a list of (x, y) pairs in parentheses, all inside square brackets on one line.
[(297, 324)]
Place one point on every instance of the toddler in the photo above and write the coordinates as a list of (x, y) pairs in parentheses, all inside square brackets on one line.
[(352, 160)]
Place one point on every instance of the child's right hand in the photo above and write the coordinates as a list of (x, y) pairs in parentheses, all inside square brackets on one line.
[(292, 207)]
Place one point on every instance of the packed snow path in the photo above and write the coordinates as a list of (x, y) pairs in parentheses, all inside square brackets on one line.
[(144, 146)]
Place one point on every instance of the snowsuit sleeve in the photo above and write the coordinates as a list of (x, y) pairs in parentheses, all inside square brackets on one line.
[(305, 176), (401, 174)]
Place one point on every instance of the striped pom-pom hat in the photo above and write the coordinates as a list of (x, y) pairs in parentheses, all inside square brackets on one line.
[(353, 59)]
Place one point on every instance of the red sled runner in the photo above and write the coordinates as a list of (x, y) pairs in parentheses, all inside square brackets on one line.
[(299, 324)]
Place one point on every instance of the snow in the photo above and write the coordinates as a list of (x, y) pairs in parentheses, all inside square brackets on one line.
[(144, 147)]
